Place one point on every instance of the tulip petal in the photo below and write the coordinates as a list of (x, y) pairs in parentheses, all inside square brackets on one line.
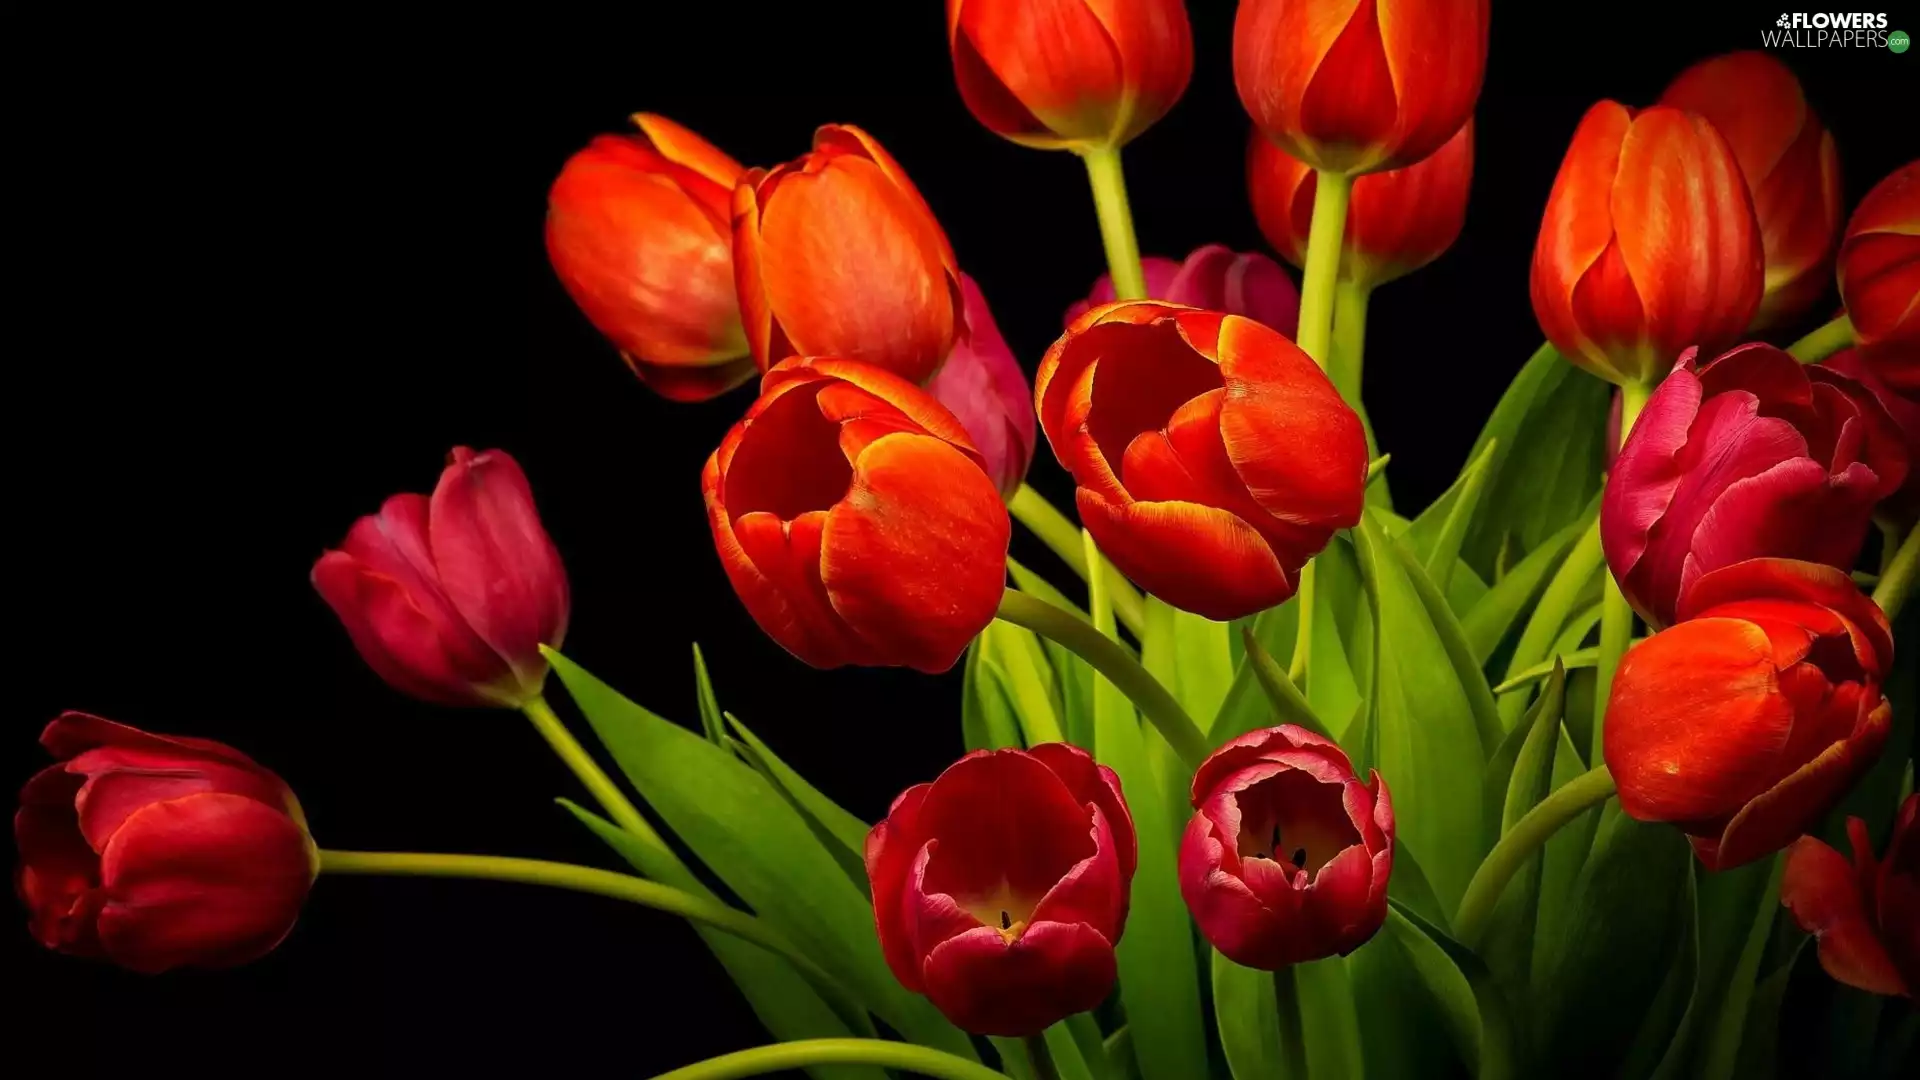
[(890, 391), (1578, 226), (120, 780), (1794, 580), (1096, 784), (1296, 445), (1053, 57), (404, 645), (1194, 557), (1645, 475), (989, 986), (496, 562), (1339, 900), (1818, 887), (1768, 515), (1434, 89), (1231, 917), (74, 733), (892, 849), (692, 383), (932, 916), (1790, 807), (684, 147), (1154, 44), (1139, 387), (785, 592), (59, 874), (1003, 821), (1278, 50), (1092, 891), (1350, 107)]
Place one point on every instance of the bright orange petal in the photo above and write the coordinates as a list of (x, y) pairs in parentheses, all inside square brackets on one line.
[(1296, 445), (1818, 887), (1578, 226), (684, 147), (1194, 557)]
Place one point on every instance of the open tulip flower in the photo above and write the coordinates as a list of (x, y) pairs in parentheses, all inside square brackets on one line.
[(1880, 274), (1866, 915), (1214, 277), (982, 384), (1744, 722)]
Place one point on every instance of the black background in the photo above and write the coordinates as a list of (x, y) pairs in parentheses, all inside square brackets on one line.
[(273, 272)]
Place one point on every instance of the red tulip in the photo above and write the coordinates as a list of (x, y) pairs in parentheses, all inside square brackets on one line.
[(1880, 272), (856, 520), (1357, 87), (1747, 456), (1000, 889), (1070, 73), (1743, 723), (836, 254), (1649, 244), (637, 230), (1866, 916), (1790, 165), (1212, 456), (1879, 371), (982, 384), (1216, 278), (1287, 859), (1397, 221), (450, 598), (157, 851)]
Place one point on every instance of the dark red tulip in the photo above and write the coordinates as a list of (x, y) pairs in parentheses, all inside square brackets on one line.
[(158, 851), (449, 598), (1000, 889), (982, 384), (1744, 722), (1214, 277), (1867, 915), (1880, 271), (856, 520), (1880, 371), (1288, 858)]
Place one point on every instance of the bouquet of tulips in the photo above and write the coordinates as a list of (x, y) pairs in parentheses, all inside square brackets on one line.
[(1558, 775)]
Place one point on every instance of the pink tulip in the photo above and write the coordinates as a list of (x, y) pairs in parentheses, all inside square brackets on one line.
[(1217, 279), (1871, 370), (982, 384)]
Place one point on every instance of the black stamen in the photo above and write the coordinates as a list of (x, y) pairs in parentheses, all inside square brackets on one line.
[(1300, 857), (1276, 841), (1006, 921)]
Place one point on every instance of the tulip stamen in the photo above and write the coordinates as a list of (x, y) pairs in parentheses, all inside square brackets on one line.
[(1300, 858), (1006, 921)]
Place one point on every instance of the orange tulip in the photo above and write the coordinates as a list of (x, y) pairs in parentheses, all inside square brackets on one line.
[(1357, 86), (1791, 169), (1070, 73), (855, 520), (1213, 457), (1649, 244), (1397, 221), (1880, 271), (1865, 913), (836, 254), (637, 231)]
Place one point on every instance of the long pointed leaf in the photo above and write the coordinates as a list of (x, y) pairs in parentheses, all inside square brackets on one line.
[(847, 834), (710, 722), (1488, 622), (1243, 1007)]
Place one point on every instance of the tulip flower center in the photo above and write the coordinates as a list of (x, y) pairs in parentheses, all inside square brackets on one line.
[(1138, 389), (789, 462), (1003, 908), (1295, 819)]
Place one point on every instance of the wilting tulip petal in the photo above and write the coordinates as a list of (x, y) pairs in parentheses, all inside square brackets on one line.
[(1880, 273), (1863, 913)]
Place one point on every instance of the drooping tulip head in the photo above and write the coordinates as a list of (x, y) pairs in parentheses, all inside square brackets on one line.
[(1866, 916), (1357, 86), (1744, 722), (157, 851), (836, 254), (982, 384), (1288, 856), (638, 232), (1880, 271), (1001, 888), (1649, 244), (1216, 278), (1212, 456), (856, 520), (1082, 74)]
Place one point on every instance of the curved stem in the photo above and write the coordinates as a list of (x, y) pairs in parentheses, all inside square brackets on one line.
[(1574, 798), (1062, 537), (1616, 615), (596, 780), (806, 1053), (1323, 263), (1116, 222), (1350, 342), (1823, 342), (1897, 580), (1107, 657), (1293, 1027)]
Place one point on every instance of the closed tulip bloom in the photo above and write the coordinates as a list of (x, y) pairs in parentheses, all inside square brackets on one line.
[(1880, 372), (638, 231), (1212, 457), (856, 519), (1000, 889), (1866, 916), (1357, 86), (1288, 858), (982, 384), (1397, 221), (1747, 456), (1790, 165), (1214, 277), (1081, 74), (1880, 271), (158, 852), (1649, 244), (1746, 721), (836, 254), (449, 598)]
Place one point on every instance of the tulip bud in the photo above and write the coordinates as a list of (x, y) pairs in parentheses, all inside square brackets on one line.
[(1790, 165), (1880, 371), (1880, 273), (836, 254), (1649, 244), (856, 519), (1751, 455), (1360, 87), (1867, 915), (156, 851), (450, 598), (1080, 74), (982, 384), (1288, 857), (1397, 221), (1216, 278), (1212, 456), (1000, 889), (638, 232), (1746, 721)]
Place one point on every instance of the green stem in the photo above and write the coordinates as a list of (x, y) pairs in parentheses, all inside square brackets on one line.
[(1062, 537), (1107, 657), (806, 1053), (596, 780), (1897, 580), (1116, 222), (1349, 340), (1303, 632), (1041, 1058), (1323, 263), (1823, 342), (1293, 1027), (1572, 799), (1616, 615)]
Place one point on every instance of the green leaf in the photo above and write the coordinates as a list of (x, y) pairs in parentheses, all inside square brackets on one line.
[(1093, 1048), (1532, 776), (1072, 678), (987, 719), (1120, 1052), (1341, 658), (709, 705), (1288, 706), (1519, 776), (1745, 898), (1659, 1049), (1064, 1049), (1330, 1017), (1440, 974), (1409, 887), (1760, 1051), (1016, 651), (753, 840), (1015, 1061), (1406, 1032), (1565, 595), (1559, 662), (1488, 622), (1501, 1051), (1436, 535), (1243, 1007), (844, 835)]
